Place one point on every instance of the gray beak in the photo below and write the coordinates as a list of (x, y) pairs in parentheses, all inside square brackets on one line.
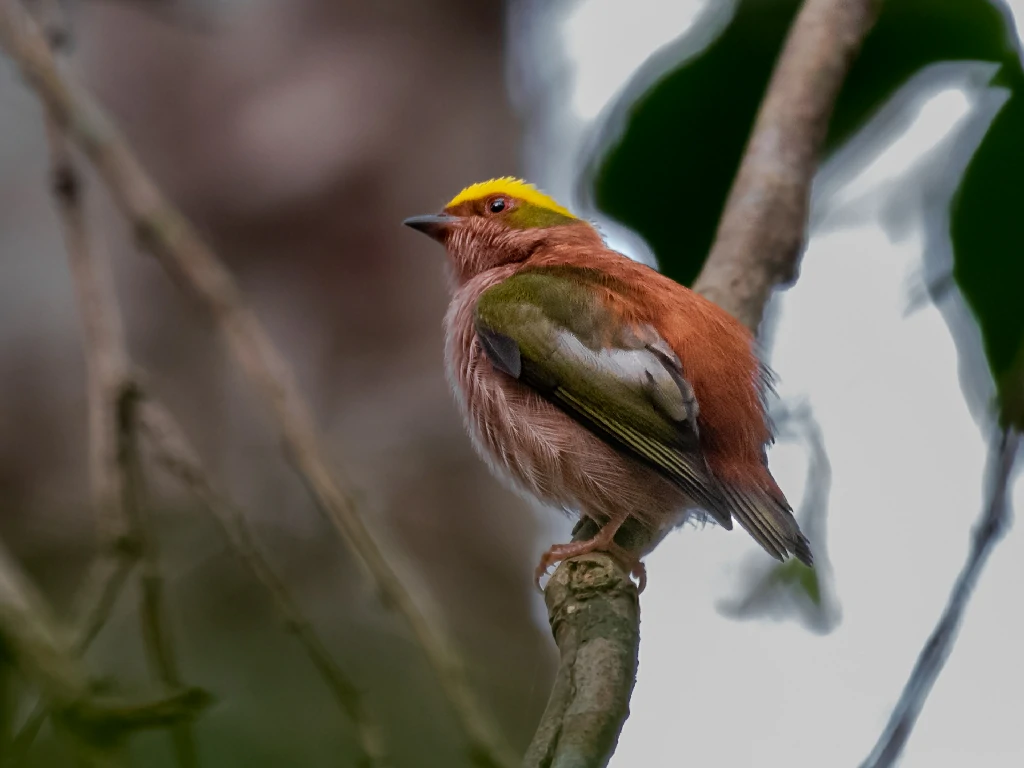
[(435, 225)]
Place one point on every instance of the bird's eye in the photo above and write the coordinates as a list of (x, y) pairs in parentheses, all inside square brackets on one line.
[(497, 205)]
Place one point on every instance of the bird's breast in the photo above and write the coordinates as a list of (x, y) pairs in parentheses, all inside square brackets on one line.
[(535, 446), (516, 431)]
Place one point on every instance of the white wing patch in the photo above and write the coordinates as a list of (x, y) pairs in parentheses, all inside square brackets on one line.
[(652, 368)]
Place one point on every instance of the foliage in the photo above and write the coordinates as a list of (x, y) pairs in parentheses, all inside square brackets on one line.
[(683, 138)]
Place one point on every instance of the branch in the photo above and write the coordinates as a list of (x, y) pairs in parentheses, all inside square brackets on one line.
[(115, 464), (182, 461), (29, 635), (993, 524), (110, 717), (761, 232), (595, 618), (106, 364), (106, 367), (756, 249), (152, 610), (165, 233), (594, 612)]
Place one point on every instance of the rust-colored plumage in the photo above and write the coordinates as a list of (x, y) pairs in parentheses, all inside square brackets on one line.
[(596, 384)]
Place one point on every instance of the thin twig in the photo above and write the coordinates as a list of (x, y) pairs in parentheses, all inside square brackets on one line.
[(181, 460), (105, 373), (104, 583), (105, 358), (152, 608), (106, 580), (762, 229), (31, 638), (116, 470), (165, 233), (991, 527), (110, 716)]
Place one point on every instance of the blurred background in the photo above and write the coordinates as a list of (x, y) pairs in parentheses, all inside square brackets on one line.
[(297, 135)]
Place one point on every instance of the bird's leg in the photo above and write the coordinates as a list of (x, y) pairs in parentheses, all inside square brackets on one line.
[(603, 541)]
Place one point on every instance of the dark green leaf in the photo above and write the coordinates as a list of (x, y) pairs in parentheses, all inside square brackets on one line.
[(668, 174)]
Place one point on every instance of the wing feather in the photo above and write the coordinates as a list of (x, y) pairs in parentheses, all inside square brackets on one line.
[(631, 391), (553, 328)]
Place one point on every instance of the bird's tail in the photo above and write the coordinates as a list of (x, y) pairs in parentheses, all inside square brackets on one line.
[(770, 521)]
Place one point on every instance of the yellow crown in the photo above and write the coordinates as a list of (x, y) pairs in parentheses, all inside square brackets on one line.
[(507, 185)]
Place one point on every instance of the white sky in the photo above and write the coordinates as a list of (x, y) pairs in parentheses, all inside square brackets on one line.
[(907, 461)]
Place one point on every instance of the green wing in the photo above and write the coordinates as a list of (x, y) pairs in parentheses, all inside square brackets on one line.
[(550, 329)]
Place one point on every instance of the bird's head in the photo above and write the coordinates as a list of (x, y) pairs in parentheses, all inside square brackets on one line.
[(498, 222)]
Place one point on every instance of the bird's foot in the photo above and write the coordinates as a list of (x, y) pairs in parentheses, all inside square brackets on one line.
[(559, 552), (602, 542), (630, 563)]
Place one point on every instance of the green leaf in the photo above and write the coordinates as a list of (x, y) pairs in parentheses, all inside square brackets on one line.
[(780, 590), (668, 172), (988, 246)]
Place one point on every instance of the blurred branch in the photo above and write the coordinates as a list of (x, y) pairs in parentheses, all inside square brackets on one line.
[(108, 717), (106, 363), (993, 524), (152, 609), (595, 618), (105, 375), (114, 455), (164, 232), (30, 637), (761, 232), (182, 461)]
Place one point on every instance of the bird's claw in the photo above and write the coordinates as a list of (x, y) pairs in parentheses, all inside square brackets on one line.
[(556, 554), (559, 552), (639, 572)]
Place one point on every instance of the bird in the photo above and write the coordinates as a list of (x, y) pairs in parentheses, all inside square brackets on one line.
[(594, 383)]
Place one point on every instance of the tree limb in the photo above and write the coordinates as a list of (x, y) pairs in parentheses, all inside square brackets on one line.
[(756, 248), (991, 527), (595, 616), (164, 232), (182, 461), (761, 233)]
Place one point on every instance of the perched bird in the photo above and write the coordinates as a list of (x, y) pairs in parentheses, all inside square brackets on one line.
[(596, 384)]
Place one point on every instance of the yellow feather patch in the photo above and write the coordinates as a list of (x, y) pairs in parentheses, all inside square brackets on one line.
[(507, 185)]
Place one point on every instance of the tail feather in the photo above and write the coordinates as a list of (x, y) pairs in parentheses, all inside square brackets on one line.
[(770, 522)]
